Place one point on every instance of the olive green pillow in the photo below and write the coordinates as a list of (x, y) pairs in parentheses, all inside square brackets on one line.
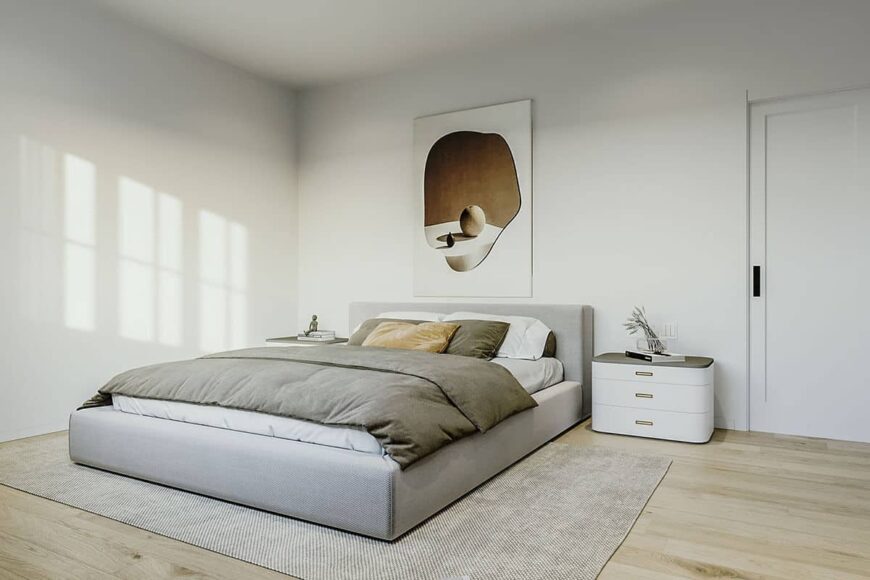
[(478, 338), (550, 345)]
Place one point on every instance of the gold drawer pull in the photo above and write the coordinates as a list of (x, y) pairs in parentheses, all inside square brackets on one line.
[(643, 373), (643, 395), (639, 422)]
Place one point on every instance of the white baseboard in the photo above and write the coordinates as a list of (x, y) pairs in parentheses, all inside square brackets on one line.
[(726, 423), (32, 431)]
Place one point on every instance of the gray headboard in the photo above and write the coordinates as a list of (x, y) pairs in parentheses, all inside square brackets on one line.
[(571, 323)]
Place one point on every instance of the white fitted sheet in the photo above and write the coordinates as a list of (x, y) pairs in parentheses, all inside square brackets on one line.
[(533, 375), (251, 422)]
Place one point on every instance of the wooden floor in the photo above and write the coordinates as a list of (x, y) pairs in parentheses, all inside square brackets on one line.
[(746, 505)]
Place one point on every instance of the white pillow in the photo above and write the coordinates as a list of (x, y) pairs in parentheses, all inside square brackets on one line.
[(526, 337), (424, 316)]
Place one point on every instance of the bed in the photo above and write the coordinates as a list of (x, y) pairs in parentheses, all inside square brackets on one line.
[(353, 489)]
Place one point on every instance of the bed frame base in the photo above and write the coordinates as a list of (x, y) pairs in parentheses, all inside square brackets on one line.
[(357, 492)]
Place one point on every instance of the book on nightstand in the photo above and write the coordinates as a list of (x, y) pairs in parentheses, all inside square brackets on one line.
[(317, 336), (652, 357)]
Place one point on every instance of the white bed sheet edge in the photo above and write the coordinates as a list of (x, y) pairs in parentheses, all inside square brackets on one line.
[(251, 422)]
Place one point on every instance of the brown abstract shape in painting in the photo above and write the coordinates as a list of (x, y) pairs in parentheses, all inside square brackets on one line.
[(468, 168)]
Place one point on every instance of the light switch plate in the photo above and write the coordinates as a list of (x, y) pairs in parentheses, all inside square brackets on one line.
[(669, 330)]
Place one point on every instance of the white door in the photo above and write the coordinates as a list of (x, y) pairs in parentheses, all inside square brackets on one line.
[(810, 252)]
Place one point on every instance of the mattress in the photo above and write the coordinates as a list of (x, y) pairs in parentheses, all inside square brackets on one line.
[(533, 375)]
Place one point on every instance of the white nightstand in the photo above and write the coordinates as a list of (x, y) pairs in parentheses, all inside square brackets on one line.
[(293, 341), (660, 400)]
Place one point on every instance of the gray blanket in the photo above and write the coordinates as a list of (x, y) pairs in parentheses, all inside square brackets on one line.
[(413, 402)]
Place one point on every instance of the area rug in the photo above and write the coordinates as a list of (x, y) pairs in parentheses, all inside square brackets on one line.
[(558, 514)]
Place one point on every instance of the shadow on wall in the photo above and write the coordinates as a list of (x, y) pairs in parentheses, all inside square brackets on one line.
[(105, 254)]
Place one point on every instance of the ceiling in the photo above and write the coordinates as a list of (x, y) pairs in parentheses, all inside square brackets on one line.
[(314, 42)]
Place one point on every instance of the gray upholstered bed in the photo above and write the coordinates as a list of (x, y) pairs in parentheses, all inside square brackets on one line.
[(359, 492)]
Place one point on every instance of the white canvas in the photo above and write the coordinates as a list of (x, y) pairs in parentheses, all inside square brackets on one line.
[(505, 269)]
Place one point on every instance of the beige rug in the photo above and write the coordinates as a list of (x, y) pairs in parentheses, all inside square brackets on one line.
[(558, 514)]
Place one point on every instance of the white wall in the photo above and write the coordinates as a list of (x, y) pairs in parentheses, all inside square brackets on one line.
[(639, 164), (99, 122)]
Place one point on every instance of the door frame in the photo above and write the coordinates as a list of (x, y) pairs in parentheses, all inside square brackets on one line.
[(756, 254)]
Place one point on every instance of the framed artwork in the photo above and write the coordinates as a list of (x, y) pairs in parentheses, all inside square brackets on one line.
[(473, 175)]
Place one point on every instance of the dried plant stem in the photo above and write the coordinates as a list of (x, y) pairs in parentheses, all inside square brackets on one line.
[(638, 322)]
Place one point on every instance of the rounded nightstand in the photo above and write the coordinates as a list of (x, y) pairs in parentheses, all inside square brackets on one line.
[(659, 400)]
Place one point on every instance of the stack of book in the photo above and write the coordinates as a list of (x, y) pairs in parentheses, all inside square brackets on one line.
[(317, 336), (657, 358)]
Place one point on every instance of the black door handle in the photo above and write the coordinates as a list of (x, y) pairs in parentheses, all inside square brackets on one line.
[(756, 281)]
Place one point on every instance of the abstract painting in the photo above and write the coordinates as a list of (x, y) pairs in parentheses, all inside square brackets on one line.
[(473, 174)]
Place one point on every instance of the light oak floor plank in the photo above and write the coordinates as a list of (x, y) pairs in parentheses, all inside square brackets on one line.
[(748, 505), (745, 505)]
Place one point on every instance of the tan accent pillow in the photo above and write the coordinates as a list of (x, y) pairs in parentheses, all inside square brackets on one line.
[(366, 328), (426, 336)]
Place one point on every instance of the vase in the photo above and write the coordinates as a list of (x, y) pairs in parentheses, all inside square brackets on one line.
[(651, 344)]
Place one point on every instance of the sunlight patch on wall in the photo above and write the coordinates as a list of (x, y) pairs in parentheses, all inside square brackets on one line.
[(150, 272), (80, 270), (80, 200), (170, 284), (136, 280), (238, 286), (169, 220), (223, 268), (136, 238), (40, 258), (212, 248), (170, 299), (79, 275), (58, 243), (212, 318), (136, 303), (212, 287)]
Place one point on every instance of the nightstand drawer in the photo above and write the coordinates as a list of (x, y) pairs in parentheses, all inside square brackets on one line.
[(653, 374), (671, 397), (689, 427)]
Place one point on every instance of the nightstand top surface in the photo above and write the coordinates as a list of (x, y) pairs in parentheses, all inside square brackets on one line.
[(691, 362), (295, 340)]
